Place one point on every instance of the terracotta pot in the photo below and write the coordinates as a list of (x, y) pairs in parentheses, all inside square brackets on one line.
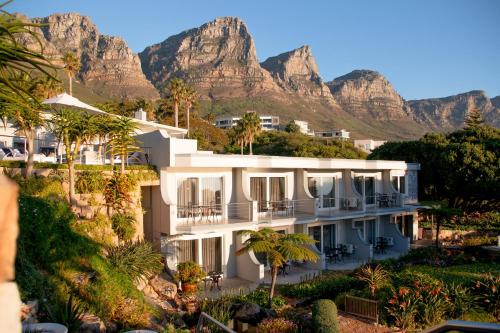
[(189, 288)]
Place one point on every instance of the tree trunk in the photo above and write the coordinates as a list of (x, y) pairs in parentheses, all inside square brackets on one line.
[(71, 169), (187, 119), (438, 226), (274, 275), (251, 150), (176, 116), (241, 148), (30, 137), (70, 85), (123, 157), (112, 157)]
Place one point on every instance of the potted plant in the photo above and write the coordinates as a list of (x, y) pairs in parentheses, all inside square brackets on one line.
[(189, 273)]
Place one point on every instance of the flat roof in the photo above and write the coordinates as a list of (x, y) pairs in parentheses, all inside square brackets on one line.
[(286, 162)]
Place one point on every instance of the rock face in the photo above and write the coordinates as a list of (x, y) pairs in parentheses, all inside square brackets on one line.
[(107, 63), (367, 93), (218, 58), (296, 71), (448, 113)]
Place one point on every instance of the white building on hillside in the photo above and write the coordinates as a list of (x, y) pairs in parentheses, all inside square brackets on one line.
[(368, 145), (304, 127), (350, 207), (266, 122), (335, 133)]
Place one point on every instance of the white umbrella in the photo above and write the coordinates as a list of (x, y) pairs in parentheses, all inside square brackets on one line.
[(67, 100)]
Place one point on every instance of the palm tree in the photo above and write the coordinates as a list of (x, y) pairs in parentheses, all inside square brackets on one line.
[(251, 124), (176, 88), (71, 67), (189, 98), (16, 59), (122, 140), (74, 129), (239, 136), (145, 105), (279, 248), (375, 277), (103, 127)]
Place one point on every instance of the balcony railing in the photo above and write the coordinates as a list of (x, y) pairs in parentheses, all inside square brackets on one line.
[(383, 201), (339, 206), (214, 214), (271, 210)]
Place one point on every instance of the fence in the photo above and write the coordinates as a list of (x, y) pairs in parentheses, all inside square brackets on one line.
[(362, 307)]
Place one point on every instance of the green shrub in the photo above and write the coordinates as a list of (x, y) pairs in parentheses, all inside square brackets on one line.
[(260, 296), (135, 259), (70, 314), (124, 226), (90, 182), (277, 325), (479, 241), (98, 229), (487, 289), (462, 300), (326, 286), (117, 191), (189, 272), (170, 328), (324, 316), (220, 309)]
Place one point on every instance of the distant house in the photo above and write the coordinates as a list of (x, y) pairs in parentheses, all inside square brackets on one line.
[(266, 122), (334, 133), (368, 145), (304, 127)]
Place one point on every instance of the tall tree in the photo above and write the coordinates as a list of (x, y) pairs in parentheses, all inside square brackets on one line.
[(473, 118), (74, 129), (279, 248), (27, 116), (122, 139), (189, 98), (251, 124), (176, 89), (71, 67), (442, 212)]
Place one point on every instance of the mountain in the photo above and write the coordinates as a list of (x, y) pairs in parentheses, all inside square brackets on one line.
[(108, 65), (366, 93), (448, 113), (218, 58), (296, 71)]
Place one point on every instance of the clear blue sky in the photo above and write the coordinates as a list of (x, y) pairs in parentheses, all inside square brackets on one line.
[(425, 48)]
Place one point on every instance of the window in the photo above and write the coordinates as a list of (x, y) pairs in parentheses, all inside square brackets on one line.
[(315, 233), (324, 189), (329, 239), (212, 254), (361, 226), (194, 191), (399, 183), (263, 189), (365, 186), (186, 250)]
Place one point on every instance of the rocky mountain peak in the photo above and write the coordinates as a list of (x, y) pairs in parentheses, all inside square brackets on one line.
[(448, 113), (218, 58), (108, 65), (368, 93), (297, 71)]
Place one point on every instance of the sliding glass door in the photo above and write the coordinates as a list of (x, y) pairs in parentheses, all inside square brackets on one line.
[(265, 189), (212, 254), (315, 233), (365, 185)]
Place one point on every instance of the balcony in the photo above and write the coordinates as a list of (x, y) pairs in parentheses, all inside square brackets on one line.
[(213, 214), (351, 206), (283, 209)]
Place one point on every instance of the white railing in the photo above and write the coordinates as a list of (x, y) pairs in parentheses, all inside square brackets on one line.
[(270, 210), (214, 214)]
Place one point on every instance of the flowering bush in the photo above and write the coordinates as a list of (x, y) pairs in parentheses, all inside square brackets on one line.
[(487, 288), (425, 301), (277, 325)]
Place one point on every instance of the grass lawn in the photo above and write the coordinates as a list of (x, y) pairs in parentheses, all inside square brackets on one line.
[(462, 274)]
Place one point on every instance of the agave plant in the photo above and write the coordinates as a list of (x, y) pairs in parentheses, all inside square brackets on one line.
[(69, 314)]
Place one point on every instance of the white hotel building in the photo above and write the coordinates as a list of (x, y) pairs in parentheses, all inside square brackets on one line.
[(204, 199)]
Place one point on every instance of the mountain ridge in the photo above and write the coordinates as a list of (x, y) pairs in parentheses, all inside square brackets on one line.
[(220, 61)]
